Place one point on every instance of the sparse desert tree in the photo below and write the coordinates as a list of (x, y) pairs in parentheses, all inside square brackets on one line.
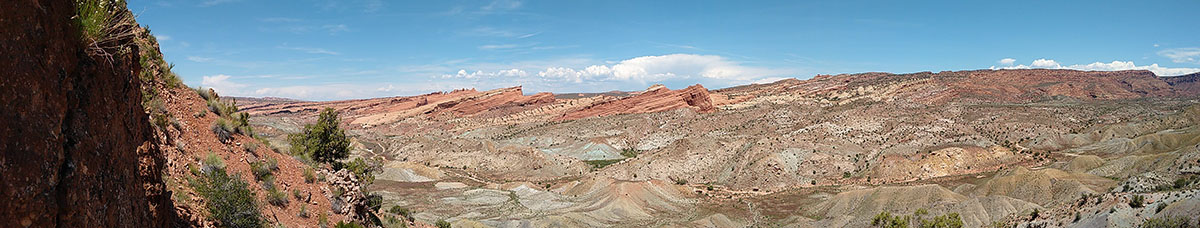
[(324, 141)]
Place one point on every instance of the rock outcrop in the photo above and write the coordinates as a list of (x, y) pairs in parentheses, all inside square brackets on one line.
[(655, 99), (77, 148), (1188, 84)]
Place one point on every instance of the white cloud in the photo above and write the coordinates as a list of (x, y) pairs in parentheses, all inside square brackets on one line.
[(222, 84), (481, 74), (1100, 66), (1182, 55), (1007, 61), (642, 69), (1119, 65), (1045, 63), (162, 37)]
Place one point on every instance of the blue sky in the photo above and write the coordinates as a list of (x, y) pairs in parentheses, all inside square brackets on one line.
[(327, 50)]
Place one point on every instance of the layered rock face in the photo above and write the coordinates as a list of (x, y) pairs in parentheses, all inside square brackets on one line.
[(655, 99), (76, 150), (1187, 84)]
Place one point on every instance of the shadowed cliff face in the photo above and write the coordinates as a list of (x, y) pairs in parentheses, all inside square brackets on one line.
[(76, 150)]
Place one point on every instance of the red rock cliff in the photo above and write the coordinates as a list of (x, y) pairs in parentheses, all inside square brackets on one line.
[(76, 148)]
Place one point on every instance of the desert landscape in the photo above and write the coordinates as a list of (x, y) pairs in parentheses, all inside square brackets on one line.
[(100, 130), (835, 150)]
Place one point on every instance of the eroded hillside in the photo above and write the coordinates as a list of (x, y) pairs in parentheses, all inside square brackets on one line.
[(832, 150)]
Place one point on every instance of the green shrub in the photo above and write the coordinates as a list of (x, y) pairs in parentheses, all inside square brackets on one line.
[(1136, 201), (1160, 207), (303, 211), (1168, 222), (629, 152), (263, 169), (322, 220), (230, 203), (205, 93), (212, 161), (885, 219), (951, 220), (374, 202), (442, 224), (348, 225), (309, 175), (363, 170), (241, 124), (277, 198), (679, 181), (222, 130), (401, 211), (324, 141)]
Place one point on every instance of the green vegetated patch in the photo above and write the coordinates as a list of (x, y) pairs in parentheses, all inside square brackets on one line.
[(917, 219), (1181, 183), (230, 121), (627, 153), (228, 198), (1136, 201), (1169, 222), (598, 164)]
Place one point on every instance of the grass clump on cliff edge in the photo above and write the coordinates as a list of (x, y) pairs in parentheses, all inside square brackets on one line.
[(324, 141), (229, 200), (103, 25)]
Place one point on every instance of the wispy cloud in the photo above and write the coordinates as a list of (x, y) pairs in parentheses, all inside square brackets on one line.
[(528, 35), (490, 31), (501, 5), (497, 46), (311, 50), (372, 6), (199, 59), (1182, 55), (222, 84), (280, 19), (336, 28), (207, 3)]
